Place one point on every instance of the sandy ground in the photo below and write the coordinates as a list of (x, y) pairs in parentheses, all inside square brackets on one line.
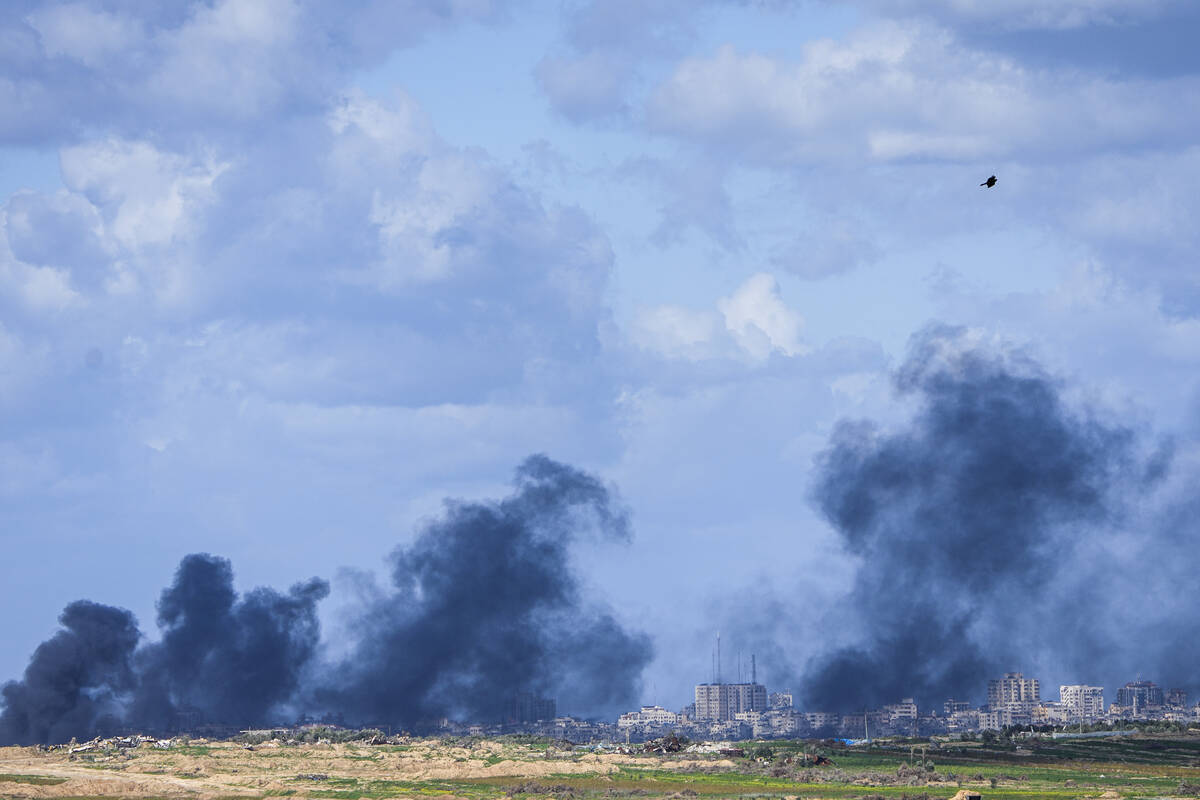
[(227, 770)]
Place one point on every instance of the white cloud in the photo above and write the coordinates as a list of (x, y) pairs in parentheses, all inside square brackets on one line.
[(73, 30), (677, 332), (749, 325), (759, 321), (147, 196), (585, 87), (173, 70), (1028, 14), (906, 90)]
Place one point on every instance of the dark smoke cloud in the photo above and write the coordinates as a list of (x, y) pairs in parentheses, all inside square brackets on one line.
[(964, 522), (233, 660), (486, 605), (74, 678), (221, 659)]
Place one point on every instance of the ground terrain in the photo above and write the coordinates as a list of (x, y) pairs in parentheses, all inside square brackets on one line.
[(520, 767)]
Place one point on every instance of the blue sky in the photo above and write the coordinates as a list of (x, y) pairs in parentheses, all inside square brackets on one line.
[(277, 277)]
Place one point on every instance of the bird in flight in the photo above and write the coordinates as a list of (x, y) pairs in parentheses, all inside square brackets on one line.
[(990, 182)]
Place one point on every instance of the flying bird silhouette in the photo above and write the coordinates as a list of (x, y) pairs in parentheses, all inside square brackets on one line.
[(990, 182)]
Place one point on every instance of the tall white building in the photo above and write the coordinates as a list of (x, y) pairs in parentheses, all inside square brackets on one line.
[(1082, 702)]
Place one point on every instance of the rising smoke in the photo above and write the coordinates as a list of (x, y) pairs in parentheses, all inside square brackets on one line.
[(967, 523), (232, 660), (485, 605), (74, 678)]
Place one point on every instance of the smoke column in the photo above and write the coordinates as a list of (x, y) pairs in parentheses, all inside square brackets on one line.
[(232, 660), (964, 522), (485, 605), (74, 677)]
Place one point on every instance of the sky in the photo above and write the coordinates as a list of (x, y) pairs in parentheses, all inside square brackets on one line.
[(278, 278)]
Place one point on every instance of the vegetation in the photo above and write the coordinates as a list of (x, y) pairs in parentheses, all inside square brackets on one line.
[(1009, 764)]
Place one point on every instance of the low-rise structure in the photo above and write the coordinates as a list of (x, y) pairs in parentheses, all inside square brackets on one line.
[(648, 716)]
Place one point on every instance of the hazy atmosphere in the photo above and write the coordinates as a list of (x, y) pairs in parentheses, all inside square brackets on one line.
[(387, 358)]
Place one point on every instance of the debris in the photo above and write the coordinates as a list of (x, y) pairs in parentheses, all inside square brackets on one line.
[(667, 744)]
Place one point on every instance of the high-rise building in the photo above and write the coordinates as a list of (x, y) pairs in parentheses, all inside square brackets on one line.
[(1013, 689), (1177, 698), (1082, 702), (721, 701), (527, 707), (1139, 695)]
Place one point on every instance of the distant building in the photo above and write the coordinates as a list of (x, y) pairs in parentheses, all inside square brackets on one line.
[(778, 700), (901, 716), (952, 707), (649, 716), (1081, 702), (1013, 689), (527, 707), (966, 719), (1177, 698), (1139, 696), (1050, 713), (723, 701), (822, 719)]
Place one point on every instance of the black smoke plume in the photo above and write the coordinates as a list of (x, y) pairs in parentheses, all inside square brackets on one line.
[(486, 605), (966, 521), (234, 661), (221, 660), (74, 678)]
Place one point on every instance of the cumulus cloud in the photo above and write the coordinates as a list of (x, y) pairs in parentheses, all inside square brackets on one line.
[(759, 321), (750, 324), (905, 90), (71, 68), (597, 68)]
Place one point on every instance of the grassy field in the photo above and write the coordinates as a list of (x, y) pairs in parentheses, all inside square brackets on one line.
[(1124, 767)]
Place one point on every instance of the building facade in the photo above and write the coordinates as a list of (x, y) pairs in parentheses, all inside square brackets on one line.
[(1014, 689), (649, 716), (1140, 695), (724, 701), (1082, 702)]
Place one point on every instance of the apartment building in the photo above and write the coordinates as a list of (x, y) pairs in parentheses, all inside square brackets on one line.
[(1082, 702)]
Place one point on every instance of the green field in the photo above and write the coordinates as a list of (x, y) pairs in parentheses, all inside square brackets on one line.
[(1139, 766)]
